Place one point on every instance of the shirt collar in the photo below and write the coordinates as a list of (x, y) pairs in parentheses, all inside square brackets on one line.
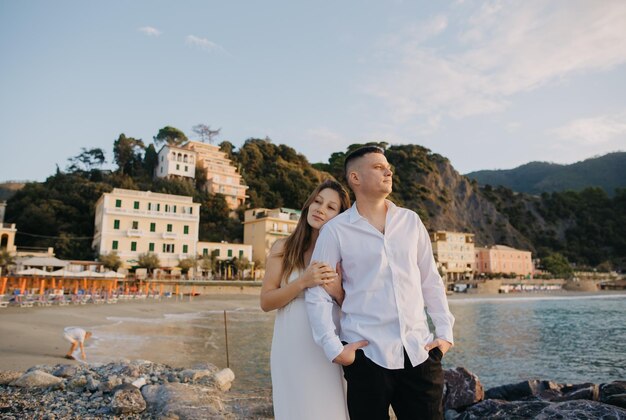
[(355, 216)]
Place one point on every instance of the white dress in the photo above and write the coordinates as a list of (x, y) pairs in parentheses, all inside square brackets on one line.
[(305, 384)]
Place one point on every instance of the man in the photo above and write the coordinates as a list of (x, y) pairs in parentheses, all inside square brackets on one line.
[(390, 278), (77, 336)]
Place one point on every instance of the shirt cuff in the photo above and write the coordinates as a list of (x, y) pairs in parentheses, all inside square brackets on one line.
[(446, 335), (333, 348)]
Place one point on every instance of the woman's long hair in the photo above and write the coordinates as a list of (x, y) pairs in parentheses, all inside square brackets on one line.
[(300, 239)]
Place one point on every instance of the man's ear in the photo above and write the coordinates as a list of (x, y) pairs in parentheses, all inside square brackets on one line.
[(353, 178)]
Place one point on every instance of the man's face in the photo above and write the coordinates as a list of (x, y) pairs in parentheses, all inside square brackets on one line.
[(375, 176)]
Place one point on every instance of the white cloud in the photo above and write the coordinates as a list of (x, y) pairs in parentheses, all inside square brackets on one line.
[(503, 49), (594, 131), (319, 143), (149, 30), (202, 43)]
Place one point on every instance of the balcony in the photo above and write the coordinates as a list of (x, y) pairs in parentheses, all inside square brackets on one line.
[(169, 235), (134, 233)]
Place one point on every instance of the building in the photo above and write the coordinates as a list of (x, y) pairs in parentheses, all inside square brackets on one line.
[(136, 222), (262, 227), (7, 232), (225, 250), (175, 162), (505, 260), (222, 175), (454, 254)]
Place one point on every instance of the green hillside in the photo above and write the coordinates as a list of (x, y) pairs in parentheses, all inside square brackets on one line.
[(607, 172)]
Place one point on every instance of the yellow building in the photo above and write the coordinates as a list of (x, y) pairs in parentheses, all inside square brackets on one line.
[(174, 161), (454, 253), (136, 222), (503, 259), (7, 233), (262, 227), (222, 175), (225, 250)]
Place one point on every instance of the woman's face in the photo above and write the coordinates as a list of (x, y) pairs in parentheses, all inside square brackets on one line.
[(323, 208)]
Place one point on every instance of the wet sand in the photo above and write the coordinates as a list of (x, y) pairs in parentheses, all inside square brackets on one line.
[(32, 336)]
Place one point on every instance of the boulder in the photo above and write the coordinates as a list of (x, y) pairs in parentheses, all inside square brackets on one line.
[(8, 376), (578, 409), (461, 388), (587, 391), (66, 371), (523, 390), (224, 379), (614, 393), (36, 379), (581, 409), (77, 382), (127, 401), (499, 409), (183, 400), (110, 383)]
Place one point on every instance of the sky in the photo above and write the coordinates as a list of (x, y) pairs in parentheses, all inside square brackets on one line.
[(487, 84)]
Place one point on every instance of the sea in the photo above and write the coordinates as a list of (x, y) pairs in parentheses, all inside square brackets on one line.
[(502, 339)]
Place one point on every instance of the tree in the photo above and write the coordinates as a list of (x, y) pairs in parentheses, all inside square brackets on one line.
[(6, 260), (558, 265), (127, 154), (205, 132), (241, 264), (171, 136), (185, 264), (86, 160), (149, 261), (207, 262), (112, 261)]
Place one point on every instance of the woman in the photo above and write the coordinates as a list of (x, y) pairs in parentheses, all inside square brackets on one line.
[(305, 384)]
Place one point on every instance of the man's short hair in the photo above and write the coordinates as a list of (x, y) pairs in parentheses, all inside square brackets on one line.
[(361, 151)]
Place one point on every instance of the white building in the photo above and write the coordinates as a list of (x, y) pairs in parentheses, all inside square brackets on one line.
[(174, 161), (136, 222)]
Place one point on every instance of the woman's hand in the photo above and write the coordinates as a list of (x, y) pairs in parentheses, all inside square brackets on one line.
[(316, 274), (335, 288)]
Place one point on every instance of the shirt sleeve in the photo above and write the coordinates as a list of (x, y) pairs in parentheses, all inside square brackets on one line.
[(433, 289), (320, 305)]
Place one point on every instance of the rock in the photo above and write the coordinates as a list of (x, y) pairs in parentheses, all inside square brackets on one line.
[(66, 371), (128, 401), (182, 400), (92, 384), (618, 400), (36, 378), (132, 371), (193, 375), (205, 366), (462, 388), (521, 390), (580, 392), (77, 383), (499, 409), (139, 383), (223, 379), (9, 376), (581, 409), (109, 384), (613, 393)]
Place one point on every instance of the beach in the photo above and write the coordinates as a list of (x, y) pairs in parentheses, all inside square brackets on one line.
[(501, 338), (32, 336)]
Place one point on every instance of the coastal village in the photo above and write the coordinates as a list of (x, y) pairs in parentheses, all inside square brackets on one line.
[(131, 223)]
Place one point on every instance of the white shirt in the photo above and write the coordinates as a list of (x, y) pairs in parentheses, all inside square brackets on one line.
[(75, 334), (390, 280)]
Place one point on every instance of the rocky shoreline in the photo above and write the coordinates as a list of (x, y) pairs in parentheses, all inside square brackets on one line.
[(141, 389)]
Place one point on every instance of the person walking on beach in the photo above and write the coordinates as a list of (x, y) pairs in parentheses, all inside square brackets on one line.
[(304, 384), (388, 354), (77, 337)]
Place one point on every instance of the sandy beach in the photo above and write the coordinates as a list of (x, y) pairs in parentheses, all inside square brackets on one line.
[(32, 336)]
